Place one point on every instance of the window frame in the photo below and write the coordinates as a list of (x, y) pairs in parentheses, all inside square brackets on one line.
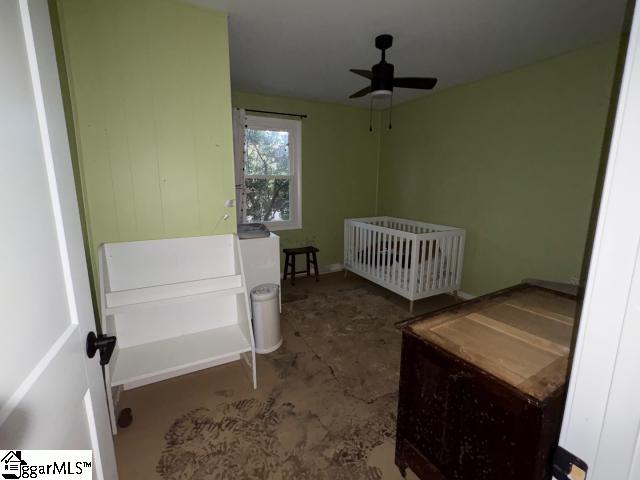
[(294, 129)]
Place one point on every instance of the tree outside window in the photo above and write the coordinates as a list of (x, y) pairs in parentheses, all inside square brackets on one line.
[(272, 172), (267, 178)]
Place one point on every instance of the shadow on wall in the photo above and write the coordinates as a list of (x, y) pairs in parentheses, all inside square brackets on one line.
[(606, 144)]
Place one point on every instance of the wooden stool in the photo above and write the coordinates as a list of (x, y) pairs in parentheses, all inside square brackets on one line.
[(290, 261)]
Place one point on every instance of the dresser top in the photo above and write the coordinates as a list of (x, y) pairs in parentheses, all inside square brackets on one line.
[(520, 335)]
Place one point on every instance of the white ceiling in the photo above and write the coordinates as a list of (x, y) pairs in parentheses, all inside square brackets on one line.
[(304, 48)]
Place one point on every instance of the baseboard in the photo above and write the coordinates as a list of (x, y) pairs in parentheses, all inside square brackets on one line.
[(465, 295), (330, 268)]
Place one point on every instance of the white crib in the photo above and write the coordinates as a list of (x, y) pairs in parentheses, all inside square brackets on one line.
[(383, 249)]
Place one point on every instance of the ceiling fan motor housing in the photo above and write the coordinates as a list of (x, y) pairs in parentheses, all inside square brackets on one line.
[(382, 80), (384, 41), (381, 75)]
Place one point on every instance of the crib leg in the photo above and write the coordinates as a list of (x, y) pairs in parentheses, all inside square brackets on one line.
[(410, 306)]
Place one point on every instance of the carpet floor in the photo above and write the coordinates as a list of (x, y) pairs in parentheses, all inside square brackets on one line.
[(324, 409)]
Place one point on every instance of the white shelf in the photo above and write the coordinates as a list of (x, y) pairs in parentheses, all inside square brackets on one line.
[(221, 285), (155, 293), (150, 362), (184, 299)]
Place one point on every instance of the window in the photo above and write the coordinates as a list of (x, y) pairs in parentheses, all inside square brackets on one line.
[(272, 173)]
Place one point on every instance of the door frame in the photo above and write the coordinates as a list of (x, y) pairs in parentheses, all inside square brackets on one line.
[(601, 424)]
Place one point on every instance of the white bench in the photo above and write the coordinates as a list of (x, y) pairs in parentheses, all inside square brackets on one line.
[(176, 306)]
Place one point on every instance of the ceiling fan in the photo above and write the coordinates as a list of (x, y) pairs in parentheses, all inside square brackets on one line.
[(381, 75)]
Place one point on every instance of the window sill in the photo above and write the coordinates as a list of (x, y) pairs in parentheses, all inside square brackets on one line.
[(281, 226)]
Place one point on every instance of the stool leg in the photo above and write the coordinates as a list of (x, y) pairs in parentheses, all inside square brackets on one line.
[(308, 265), (293, 269), (286, 266), (315, 266)]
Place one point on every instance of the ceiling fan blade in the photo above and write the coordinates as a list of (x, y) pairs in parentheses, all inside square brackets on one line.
[(363, 73), (415, 82), (361, 93)]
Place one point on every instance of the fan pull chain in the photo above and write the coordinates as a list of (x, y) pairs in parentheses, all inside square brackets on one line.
[(390, 109), (371, 113)]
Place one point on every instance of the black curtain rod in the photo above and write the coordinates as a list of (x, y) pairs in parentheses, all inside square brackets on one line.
[(276, 113)]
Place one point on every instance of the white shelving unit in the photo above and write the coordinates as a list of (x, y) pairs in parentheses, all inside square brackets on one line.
[(176, 306)]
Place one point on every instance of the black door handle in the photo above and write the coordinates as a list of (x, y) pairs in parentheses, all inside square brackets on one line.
[(103, 343)]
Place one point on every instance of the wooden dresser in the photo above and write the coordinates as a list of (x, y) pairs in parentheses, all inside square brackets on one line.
[(482, 386)]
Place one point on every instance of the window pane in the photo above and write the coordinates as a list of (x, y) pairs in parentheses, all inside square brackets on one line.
[(267, 152), (267, 200)]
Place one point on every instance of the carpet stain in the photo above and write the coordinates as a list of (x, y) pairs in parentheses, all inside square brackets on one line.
[(331, 400)]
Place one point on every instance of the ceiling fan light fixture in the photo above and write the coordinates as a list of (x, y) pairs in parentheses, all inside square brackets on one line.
[(381, 93)]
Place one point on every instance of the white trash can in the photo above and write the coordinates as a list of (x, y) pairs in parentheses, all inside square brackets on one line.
[(266, 317)]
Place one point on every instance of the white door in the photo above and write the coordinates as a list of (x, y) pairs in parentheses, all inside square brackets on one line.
[(601, 425), (51, 395)]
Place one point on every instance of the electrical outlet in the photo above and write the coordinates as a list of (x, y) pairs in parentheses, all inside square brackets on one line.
[(230, 203)]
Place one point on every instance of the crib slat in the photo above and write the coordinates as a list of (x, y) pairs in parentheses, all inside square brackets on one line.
[(448, 262), (432, 254), (376, 254), (452, 261), (386, 257), (460, 260), (412, 267), (351, 239), (373, 253), (423, 259), (440, 261), (353, 244), (441, 268), (418, 266), (369, 251), (443, 263), (347, 230), (403, 263), (400, 262), (379, 249), (396, 255), (361, 247), (454, 268), (392, 260), (356, 252), (365, 245), (354, 239), (433, 267), (359, 251)]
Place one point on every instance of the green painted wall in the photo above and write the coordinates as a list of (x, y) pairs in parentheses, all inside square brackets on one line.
[(339, 169), (513, 159), (151, 102)]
